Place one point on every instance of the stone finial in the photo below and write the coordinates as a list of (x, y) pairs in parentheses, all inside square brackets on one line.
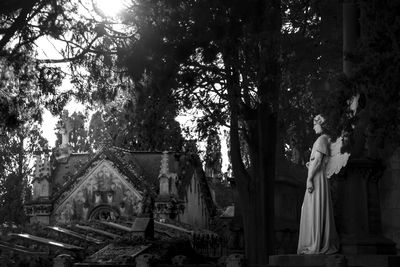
[(46, 166), (163, 176), (167, 179), (38, 164), (164, 164)]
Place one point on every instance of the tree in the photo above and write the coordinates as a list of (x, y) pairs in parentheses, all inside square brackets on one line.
[(25, 89), (98, 132), (146, 122), (17, 148), (312, 60), (375, 76), (370, 66), (78, 139), (213, 157), (224, 58), (22, 24)]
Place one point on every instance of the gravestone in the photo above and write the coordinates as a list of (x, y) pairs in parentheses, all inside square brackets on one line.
[(63, 260), (179, 260), (235, 260), (143, 227), (144, 260)]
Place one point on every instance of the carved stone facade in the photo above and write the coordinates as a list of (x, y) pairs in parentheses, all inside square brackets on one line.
[(102, 186), (118, 184)]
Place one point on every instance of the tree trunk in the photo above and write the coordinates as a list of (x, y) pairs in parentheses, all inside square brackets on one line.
[(351, 33), (256, 184)]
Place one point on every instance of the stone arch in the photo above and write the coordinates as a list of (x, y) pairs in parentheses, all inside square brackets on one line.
[(104, 213)]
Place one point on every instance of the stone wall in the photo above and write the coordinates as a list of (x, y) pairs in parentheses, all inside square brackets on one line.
[(390, 199)]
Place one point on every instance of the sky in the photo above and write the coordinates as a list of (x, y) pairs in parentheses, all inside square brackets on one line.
[(49, 121), (48, 49)]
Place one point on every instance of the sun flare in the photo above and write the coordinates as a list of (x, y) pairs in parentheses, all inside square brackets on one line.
[(110, 8)]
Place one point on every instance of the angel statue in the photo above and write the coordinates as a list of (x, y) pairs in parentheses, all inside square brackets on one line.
[(317, 226), (65, 128)]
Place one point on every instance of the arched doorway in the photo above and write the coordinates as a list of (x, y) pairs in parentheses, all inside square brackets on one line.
[(104, 213)]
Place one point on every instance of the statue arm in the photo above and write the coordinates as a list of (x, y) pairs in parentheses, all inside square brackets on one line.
[(313, 167)]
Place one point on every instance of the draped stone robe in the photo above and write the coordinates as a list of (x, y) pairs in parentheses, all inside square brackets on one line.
[(317, 227)]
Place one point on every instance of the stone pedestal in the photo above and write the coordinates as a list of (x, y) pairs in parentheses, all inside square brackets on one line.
[(357, 209), (337, 260)]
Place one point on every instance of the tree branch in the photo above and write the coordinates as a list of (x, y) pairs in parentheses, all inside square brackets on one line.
[(70, 59), (18, 24)]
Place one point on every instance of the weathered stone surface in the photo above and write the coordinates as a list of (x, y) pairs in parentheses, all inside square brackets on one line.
[(144, 260), (63, 260), (336, 261)]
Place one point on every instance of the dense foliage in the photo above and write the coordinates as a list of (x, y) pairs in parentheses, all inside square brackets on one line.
[(376, 76), (16, 150)]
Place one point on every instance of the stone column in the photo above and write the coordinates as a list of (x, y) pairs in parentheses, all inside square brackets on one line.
[(358, 209), (167, 204), (163, 176)]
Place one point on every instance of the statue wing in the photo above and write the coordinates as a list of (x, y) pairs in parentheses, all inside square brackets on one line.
[(336, 160)]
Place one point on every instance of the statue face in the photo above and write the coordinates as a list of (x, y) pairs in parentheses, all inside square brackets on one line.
[(317, 128)]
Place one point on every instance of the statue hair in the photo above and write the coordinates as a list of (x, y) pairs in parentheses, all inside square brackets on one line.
[(320, 119)]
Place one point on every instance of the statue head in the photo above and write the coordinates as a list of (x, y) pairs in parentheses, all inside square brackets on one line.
[(319, 124)]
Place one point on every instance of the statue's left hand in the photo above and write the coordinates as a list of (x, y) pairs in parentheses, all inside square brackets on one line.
[(310, 186)]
